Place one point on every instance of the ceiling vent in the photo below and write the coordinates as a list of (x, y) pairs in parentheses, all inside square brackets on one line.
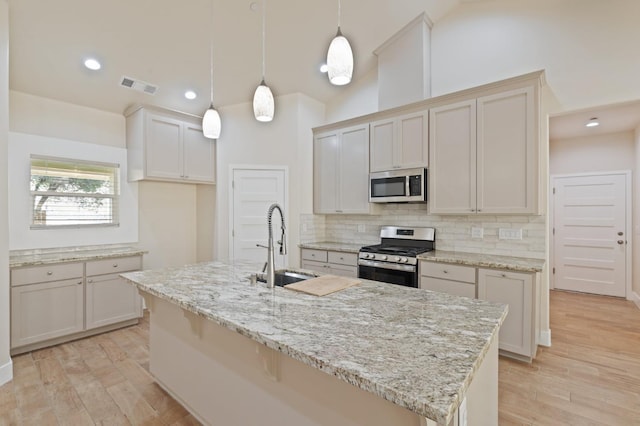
[(139, 85)]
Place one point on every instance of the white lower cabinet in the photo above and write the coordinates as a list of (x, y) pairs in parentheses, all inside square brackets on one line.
[(515, 289), (109, 298), (45, 311), (447, 278), (59, 302), (517, 334), (330, 262)]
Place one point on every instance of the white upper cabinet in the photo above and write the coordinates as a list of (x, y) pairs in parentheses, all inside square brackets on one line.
[(484, 155), (341, 171), (452, 148), (399, 142), (168, 146)]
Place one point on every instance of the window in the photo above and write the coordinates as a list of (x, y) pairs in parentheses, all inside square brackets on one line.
[(73, 193)]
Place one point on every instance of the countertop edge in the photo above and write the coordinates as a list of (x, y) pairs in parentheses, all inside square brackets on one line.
[(71, 257)]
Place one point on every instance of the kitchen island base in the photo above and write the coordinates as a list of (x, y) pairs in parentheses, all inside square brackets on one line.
[(223, 377)]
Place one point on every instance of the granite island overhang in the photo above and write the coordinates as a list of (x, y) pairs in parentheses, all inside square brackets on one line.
[(417, 349)]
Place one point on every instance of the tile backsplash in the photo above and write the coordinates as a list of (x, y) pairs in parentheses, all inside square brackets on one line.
[(453, 232)]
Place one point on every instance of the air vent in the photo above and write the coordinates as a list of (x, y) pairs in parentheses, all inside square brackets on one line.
[(139, 85)]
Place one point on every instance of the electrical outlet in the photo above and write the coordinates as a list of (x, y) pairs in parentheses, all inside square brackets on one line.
[(361, 228), (509, 234), (477, 232)]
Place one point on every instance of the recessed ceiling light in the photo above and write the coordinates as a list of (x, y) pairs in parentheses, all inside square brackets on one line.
[(92, 64), (593, 122), (190, 94), (324, 68)]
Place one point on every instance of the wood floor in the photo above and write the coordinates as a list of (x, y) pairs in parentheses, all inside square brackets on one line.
[(590, 376)]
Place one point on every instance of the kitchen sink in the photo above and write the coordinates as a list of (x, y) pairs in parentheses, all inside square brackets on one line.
[(284, 277)]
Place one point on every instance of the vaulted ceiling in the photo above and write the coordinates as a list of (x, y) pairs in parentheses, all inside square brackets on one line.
[(167, 43)]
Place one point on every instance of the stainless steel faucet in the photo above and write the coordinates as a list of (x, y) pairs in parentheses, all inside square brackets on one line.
[(271, 273)]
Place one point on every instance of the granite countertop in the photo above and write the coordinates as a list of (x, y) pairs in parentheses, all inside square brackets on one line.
[(416, 348), (35, 257), (518, 264), (325, 245)]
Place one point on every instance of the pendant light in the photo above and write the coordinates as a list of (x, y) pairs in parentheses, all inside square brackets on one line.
[(263, 104), (340, 58), (211, 124)]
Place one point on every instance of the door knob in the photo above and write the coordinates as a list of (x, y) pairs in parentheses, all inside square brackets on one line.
[(620, 242)]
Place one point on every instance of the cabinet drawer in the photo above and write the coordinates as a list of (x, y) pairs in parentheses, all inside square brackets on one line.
[(456, 288), (315, 266), (448, 272), (349, 259), (46, 273), (112, 266), (343, 270), (317, 255)]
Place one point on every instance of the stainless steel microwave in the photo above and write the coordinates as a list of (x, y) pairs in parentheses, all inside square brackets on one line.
[(398, 186)]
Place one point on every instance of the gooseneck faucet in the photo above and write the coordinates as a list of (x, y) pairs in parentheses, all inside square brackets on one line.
[(271, 273)]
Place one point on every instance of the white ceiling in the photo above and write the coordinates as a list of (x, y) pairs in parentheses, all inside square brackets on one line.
[(166, 43), (616, 118)]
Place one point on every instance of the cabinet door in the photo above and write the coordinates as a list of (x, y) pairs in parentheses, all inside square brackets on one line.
[(325, 173), (199, 155), (353, 171), (163, 147), (382, 145), (412, 146), (315, 266), (45, 311), (111, 299), (452, 159), (515, 290), (507, 152), (343, 270)]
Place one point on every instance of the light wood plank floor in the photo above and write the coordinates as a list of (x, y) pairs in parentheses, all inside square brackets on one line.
[(590, 376)]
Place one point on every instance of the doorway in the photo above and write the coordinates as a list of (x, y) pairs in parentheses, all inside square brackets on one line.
[(252, 191), (591, 233)]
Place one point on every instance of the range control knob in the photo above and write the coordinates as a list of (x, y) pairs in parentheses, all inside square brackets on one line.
[(397, 259), (383, 257), (367, 255), (404, 260)]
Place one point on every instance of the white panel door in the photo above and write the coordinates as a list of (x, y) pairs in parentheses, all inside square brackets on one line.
[(590, 233), (254, 190)]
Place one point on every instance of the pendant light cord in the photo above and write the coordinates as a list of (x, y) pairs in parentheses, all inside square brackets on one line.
[(339, 13), (211, 53), (264, 13)]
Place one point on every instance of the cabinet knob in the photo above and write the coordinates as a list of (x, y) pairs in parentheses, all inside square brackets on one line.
[(620, 242), (49, 273), (503, 275), (620, 233), (115, 265), (79, 283), (444, 271), (89, 281)]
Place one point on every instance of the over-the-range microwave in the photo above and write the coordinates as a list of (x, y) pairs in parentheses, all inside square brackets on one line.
[(398, 186)]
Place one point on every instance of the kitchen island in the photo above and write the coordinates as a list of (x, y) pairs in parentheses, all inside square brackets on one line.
[(233, 352)]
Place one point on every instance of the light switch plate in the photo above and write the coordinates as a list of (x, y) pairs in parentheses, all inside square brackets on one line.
[(509, 234), (477, 232)]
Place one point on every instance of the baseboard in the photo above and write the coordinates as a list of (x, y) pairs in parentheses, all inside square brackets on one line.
[(545, 338), (6, 372), (635, 298)]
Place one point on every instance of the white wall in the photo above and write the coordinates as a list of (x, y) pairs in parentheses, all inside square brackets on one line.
[(47, 117), (358, 98), (168, 223), (588, 48), (6, 370), (597, 153), (21, 147), (286, 141)]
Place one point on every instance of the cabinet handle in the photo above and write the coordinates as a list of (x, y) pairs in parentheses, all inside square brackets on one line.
[(479, 210), (338, 211), (472, 210), (49, 273), (503, 275), (79, 283), (115, 265), (445, 271), (89, 281)]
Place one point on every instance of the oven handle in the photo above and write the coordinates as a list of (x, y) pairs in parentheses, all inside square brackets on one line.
[(387, 265)]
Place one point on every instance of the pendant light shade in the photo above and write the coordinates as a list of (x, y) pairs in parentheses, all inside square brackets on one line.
[(340, 60), (211, 124), (263, 104)]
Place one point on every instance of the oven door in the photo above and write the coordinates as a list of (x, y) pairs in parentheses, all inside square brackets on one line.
[(405, 275)]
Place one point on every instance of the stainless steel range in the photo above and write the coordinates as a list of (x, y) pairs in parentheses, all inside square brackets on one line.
[(394, 259)]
